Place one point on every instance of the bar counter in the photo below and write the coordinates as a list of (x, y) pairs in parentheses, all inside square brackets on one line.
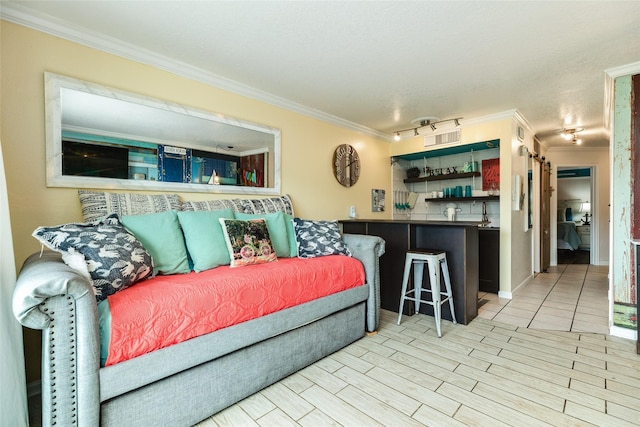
[(458, 238)]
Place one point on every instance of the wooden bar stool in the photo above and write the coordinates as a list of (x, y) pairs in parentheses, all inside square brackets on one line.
[(435, 260)]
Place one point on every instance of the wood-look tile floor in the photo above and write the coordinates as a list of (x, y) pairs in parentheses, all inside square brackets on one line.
[(569, 297), (492, 372), (487, 373)]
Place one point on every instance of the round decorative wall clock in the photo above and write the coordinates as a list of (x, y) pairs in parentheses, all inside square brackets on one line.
[(346, 165)]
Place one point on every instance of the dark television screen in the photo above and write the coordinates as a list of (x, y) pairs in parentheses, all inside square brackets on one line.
[(83, 159)]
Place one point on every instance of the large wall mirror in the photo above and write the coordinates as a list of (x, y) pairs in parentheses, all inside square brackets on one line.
[(100, 137)]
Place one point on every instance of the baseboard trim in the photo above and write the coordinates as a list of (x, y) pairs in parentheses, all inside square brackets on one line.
[(617, 331), (504, 294), (34, 388)]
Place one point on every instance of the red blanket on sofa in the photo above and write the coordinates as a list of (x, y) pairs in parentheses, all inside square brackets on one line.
[(166, 310)]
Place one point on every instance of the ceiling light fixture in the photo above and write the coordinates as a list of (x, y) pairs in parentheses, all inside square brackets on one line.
[(424, 122), (570, 133)]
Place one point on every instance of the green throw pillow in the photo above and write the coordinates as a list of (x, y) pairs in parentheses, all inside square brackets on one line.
[(160, 234), (205, 238), (291, 235), (277, 230)]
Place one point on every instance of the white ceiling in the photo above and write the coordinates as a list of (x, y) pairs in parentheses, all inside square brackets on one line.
[(381, 64)]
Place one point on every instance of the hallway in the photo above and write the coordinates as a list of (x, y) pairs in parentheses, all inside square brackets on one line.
[(569, 297)]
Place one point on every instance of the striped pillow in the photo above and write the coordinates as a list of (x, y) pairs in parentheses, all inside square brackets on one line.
[(98, 204)]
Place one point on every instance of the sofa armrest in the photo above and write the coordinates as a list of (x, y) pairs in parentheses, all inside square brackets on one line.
[(51, 296), (368, 249)]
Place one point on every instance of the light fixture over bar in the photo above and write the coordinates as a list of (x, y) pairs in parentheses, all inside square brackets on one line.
[(425, 122)]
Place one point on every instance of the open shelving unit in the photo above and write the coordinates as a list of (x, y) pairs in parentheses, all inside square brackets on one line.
[(442, 177), (463, 199)]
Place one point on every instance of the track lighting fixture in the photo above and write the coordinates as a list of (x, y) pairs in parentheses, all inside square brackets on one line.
[(571, 135), (424, 122)]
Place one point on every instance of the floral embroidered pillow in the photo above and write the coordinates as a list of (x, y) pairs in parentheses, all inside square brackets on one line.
[(248, 242)]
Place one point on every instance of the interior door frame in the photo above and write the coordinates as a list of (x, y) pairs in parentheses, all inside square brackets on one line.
[(594, 241)]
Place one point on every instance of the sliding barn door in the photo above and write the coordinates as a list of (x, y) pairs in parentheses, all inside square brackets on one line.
[(545, 216)]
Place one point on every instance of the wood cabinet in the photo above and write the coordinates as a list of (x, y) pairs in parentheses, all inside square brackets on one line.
[(489, 260), (458, 239)]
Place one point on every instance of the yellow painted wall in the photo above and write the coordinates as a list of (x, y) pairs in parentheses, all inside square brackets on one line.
[(307, 144)]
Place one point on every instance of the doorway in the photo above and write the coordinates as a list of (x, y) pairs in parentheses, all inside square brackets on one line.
[(575, 206)]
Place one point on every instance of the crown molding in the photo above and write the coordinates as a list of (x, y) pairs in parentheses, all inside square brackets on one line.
[(513, 114), (20, 15), (623, 70), (610, 75), (572, 149), (520, 119), (504, 115)]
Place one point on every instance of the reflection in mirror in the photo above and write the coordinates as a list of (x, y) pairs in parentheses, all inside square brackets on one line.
[(98, 137)]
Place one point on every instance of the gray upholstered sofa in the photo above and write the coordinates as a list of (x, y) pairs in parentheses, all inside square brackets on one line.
[(186, 382)]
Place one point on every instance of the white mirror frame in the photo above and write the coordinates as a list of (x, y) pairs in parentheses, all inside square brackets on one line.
[(53, 122)]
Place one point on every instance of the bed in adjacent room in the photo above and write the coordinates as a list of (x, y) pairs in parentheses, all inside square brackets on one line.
[(568, 236), (567, 233)]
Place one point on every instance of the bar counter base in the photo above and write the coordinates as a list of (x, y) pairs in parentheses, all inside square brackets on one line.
[(458, 239)]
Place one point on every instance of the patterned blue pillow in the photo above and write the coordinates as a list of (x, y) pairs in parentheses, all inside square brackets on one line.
[(103, 251), (318, 238)]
